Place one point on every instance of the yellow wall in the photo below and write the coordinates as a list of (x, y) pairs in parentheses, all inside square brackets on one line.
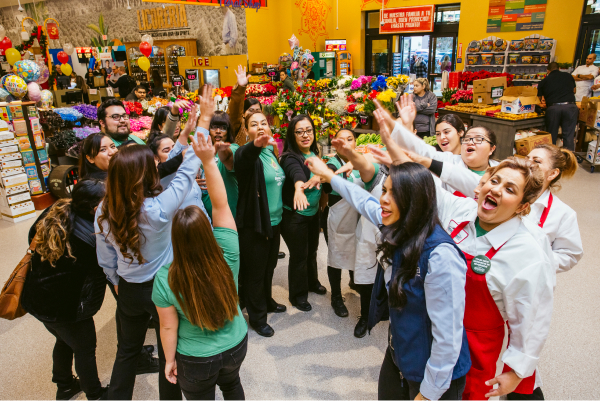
[(269, 29)]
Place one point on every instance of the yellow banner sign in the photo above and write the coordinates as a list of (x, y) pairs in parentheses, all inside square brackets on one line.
[(171, 17)]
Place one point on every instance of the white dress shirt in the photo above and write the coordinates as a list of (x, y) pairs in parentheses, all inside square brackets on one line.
[(584, 87)]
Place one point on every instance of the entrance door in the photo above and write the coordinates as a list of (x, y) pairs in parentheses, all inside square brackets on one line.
[(415, 50), (379, 55), (591, 44), (442, 59)]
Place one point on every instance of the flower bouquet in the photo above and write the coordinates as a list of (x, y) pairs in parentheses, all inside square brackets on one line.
[(398, 83)]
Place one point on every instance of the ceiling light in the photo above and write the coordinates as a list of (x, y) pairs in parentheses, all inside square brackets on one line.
[(20, 8)]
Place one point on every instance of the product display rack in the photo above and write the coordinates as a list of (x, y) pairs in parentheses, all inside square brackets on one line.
[(134, 70), (158, 62), (173, 52)]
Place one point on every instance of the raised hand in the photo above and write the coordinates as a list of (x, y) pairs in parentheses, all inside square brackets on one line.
[(190, 125), (387, 118), (222, 146), (396, 153), (318, 167), (262, 140), (242, 78), (180, 104), (381, 156), (203, 149), (407, 110), (207, 105), (342, 147), (346, 168), (201, 183)]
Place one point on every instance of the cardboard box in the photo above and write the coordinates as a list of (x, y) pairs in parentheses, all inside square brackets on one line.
[(15, 190), (590, 153), (519, 99), (593, 105), (486, 98), (18, 212), (12, 199), (486, 85), (8, 149), (526, 145), (14, 180)]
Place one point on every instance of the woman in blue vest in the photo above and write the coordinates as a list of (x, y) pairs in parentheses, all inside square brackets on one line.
[(420, 283)]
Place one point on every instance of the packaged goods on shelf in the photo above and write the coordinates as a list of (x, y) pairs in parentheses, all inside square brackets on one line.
[(590, 153)]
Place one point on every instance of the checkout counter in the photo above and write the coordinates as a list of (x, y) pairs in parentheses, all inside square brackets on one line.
[(67, 97)]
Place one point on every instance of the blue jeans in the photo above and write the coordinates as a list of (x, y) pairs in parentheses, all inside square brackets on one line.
[(198, 376)]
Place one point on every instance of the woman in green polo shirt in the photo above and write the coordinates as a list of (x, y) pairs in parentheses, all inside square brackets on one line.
[(203, 332), (300, 225)]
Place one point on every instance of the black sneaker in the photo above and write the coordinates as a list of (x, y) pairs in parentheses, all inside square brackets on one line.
[(101, 395), (69, 392), (337, 303), (361, 328), (146, 363)]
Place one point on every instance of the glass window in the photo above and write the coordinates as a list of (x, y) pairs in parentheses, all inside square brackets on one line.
[(592, 7), (373, 20), (448, 14)]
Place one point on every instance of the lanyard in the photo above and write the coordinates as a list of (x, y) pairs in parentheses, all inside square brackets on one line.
[(546, 211)]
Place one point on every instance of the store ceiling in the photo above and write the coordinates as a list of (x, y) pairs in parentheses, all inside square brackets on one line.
[(7, 3)]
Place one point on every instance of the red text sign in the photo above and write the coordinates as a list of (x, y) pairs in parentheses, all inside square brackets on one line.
[(407, 19)]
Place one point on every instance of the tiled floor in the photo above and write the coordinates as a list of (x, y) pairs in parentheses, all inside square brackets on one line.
[(314, 355)]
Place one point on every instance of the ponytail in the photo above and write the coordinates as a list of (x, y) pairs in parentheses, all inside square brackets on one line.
[(562, 159), (53, 232)]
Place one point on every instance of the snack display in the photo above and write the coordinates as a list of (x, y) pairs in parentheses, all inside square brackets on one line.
[(466, 107), (535, 59), (487, 45), (513, 58), (500, 45), (510, 116), (486, 58), (531, 43), (489, 110), (516, 45), (545, 59), (518, 76), (546, 44), (526, 59), (499, 59), (472, 59), (474, 46), (542, 75)]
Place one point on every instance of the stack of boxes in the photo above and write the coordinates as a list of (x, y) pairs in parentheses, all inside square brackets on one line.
[(488, 91)]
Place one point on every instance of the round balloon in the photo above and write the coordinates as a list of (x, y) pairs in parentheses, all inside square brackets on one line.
[(44, 75), (68, 48), (148, 38), (62, 57), (27, 69), (12, 55), (16, 86), (3, 94), (5, 43), (34, 92), (144, 63), (46, 99), (66, 69), (145, 49)]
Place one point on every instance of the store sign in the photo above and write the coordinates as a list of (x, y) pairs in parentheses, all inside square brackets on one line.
[(201, 61), (191, 75), (407, 19), (162, 18), (52, 30)]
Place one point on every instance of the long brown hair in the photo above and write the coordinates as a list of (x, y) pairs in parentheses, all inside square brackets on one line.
[(53, 231), (199, 276), (132, 177), (562, 159)]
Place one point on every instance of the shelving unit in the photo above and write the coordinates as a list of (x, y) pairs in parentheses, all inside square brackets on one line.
[(134, 70), (504, 53), (173, 52), (158, 62)]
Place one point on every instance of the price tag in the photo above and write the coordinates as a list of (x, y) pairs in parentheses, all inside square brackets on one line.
[(191, 75), (177, 80)]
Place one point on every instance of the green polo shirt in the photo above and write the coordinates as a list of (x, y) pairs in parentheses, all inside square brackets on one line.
[(130, 137), (231, 186)]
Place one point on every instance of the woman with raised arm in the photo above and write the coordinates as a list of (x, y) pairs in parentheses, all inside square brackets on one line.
[(133, 226), (516, 287), (260, 208), (427, 355), (300, 220), (203, 332)]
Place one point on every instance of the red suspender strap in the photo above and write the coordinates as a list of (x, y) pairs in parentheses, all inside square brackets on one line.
[(546, 211), (458, 228), (490, 254)]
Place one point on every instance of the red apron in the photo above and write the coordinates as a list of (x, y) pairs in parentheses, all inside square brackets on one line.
[(484, 326), (527, 385), (459, 194)]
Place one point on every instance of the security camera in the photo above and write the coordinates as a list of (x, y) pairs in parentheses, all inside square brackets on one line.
[(381, 23)]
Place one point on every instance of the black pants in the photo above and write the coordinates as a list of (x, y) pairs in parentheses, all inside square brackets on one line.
[(324, 217), (364, 290), (258, 259), (301, 235), (76, 339), (392, 386), (564, 116), (198, 376), (536, 395), (134, 309)]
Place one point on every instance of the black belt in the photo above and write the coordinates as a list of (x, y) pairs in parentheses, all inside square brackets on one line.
[(559, 104)]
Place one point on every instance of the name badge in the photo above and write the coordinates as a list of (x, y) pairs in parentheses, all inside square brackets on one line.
[(461, 236), (481, 264)]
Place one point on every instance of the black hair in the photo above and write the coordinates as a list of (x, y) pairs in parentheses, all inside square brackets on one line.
[(249, 102), (220, 118), (91, 147), (490, 136), (553, 66), (127, 143), (140, 87), (105, 105), (159, 118), (412, 190), (291, 145), (454, 121), (154, 140), (346, 129), (86, 195)]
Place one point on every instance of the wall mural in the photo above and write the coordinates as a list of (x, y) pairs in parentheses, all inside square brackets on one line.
[(366, 2), (313, 21), (206, 23)]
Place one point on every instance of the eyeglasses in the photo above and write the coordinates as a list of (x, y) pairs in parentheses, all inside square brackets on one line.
[(478, 140), (221, 128), (307, 132), (118, 117)]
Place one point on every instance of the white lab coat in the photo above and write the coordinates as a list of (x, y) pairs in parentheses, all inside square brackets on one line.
[(584, 88), (521, 279), (413, 143), (560, 226)]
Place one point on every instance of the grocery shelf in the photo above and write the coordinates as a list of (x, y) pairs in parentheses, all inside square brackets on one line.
[(528, 80), (485, 65), (493, 52), (530, 51), (526, 65)]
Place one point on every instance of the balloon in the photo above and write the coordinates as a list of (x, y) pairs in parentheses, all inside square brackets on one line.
[(146, 49), (62, 57), (68, 48), (2, 32), (294, 66), (3, 94), (293, 42), (27, 69), (66, 69), (5, 43), (34, 92), (4, 78), (44, 75), (149, 39), (46, 99), (16, 86), (12, 55), (144, 63)]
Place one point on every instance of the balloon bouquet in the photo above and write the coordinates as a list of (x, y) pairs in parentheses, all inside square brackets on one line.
[(299, 63), (146, 49)]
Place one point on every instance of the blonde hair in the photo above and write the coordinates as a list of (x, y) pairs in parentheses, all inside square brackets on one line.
[(53, 233), (425, 83), (562, 159), (532, 174)]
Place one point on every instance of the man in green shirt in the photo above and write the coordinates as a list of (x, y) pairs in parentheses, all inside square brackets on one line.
[(114, 122), (288, 82)]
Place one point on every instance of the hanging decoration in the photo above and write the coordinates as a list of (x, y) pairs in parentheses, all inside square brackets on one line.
[(146, 49), (12, 55), (36, 33), (143, 63), (365, 2), (313, 18)]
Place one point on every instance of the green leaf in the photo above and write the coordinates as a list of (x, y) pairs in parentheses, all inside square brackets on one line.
[(95, 42), (94, 28), (101, 23)]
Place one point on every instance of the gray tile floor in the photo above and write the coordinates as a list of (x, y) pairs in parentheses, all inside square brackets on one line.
[(315, 355)]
